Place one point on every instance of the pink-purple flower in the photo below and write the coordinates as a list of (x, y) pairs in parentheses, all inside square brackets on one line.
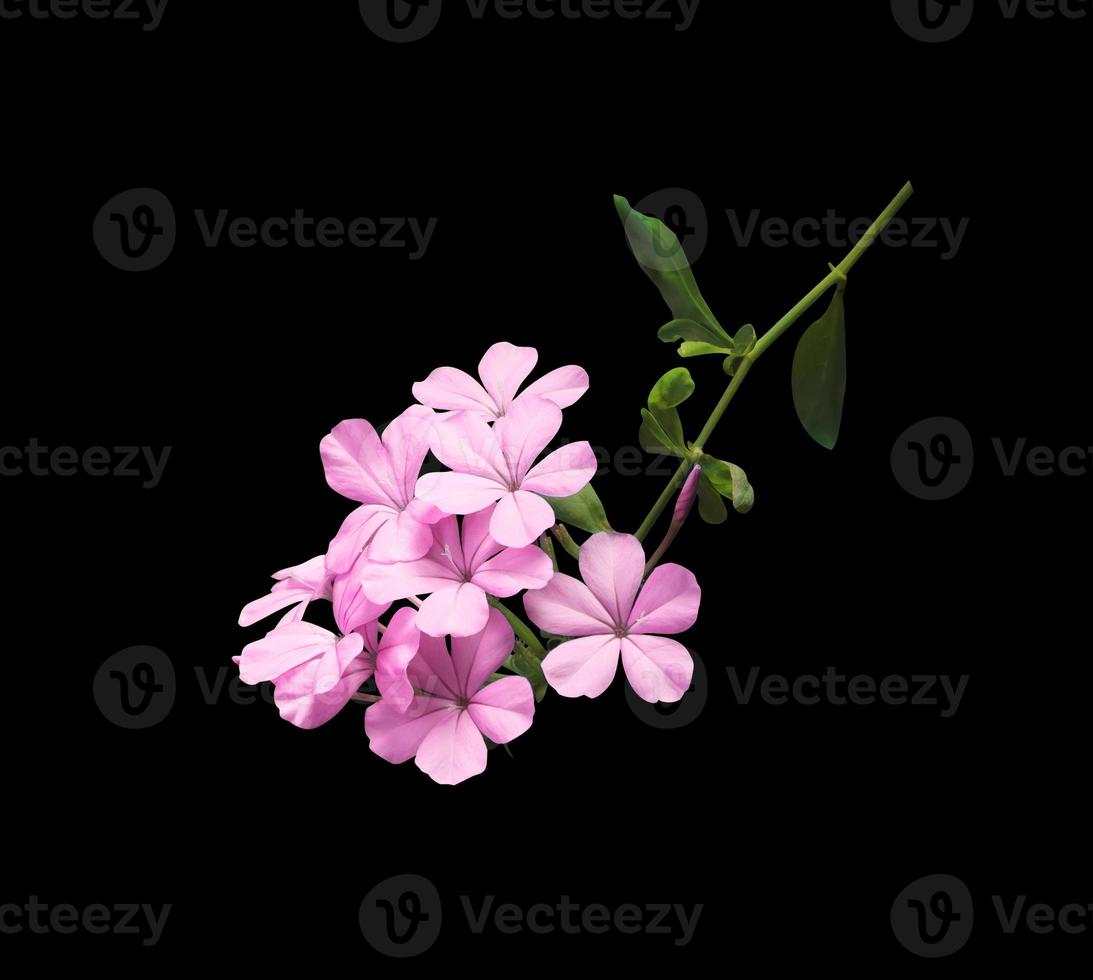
[(380, 473), (502, 370), (611, 614), (457, 574), (454, 706), (295, 587), (498, 465)]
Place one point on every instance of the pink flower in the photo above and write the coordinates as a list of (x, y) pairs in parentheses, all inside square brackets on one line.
[(495, 464), (502, 370), (295, 587), (457, 575), (315, 673), (609, 616), (445, 722), (380, 474)]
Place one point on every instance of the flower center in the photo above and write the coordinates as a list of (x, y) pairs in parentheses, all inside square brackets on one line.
[(621, 632)]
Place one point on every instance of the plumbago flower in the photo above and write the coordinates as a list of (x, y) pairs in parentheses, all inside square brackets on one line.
[(497, 466), (611, 613), (454, 706), (458, 574), (295, 587), (380, 473), (502, 369)]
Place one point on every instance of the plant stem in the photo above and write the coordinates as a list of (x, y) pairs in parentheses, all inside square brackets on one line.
[(835, 276), (562, 534), (523, 631)]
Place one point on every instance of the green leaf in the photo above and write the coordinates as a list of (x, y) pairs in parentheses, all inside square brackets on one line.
[(528, 665), (663, 260), (583, 510), (730, 481), (654, 439), (742, 343), (819, 374), (711, 508), (697, 332), (673, 389), (694, 348)]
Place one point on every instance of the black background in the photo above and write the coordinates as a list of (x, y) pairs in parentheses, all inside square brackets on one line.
[(794, 826)]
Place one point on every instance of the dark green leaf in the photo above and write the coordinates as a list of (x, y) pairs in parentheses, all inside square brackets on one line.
[(654, 439), (663, 260), (711, 508), (698, 332), (819, 374), (583, 510)]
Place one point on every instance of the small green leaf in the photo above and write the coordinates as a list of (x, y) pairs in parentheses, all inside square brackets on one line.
[(819, 374), (697, 332), (730, 481), (744, 340), (673, 389), (654, 439), (583, 510), (528, 665), (694, 348), (711, 508), (663, 260)]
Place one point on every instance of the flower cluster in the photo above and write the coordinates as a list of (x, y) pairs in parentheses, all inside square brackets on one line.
[(417, 572)]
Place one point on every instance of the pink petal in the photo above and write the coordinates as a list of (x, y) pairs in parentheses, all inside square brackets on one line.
[(476, 545), (525, 432), (453, 751), (520, 518), (423, 513), (407, 441), (475, 658), (432, 671), (356, 531), (585, 666), (658, 668), (514, 570), (385, 583), (504, 709), (566, 606), (401, 538), (612, 566), (282, 649), (454, 390), (503, 369), (295, 698), (459, 493), (272, 602), (667, 603), (356, 463), (352, 608), (564, 472), (562, 386), (395, 735), (458, 610), (312, 573), (398, 647), (465, 443)]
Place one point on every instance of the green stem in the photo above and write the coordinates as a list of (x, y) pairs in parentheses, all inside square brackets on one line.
[(566, 541), (522, 629), (835, 276)]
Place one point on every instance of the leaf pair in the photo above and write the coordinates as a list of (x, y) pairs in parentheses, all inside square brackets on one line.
[(662, 430), (699, 340), (718, 480)]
